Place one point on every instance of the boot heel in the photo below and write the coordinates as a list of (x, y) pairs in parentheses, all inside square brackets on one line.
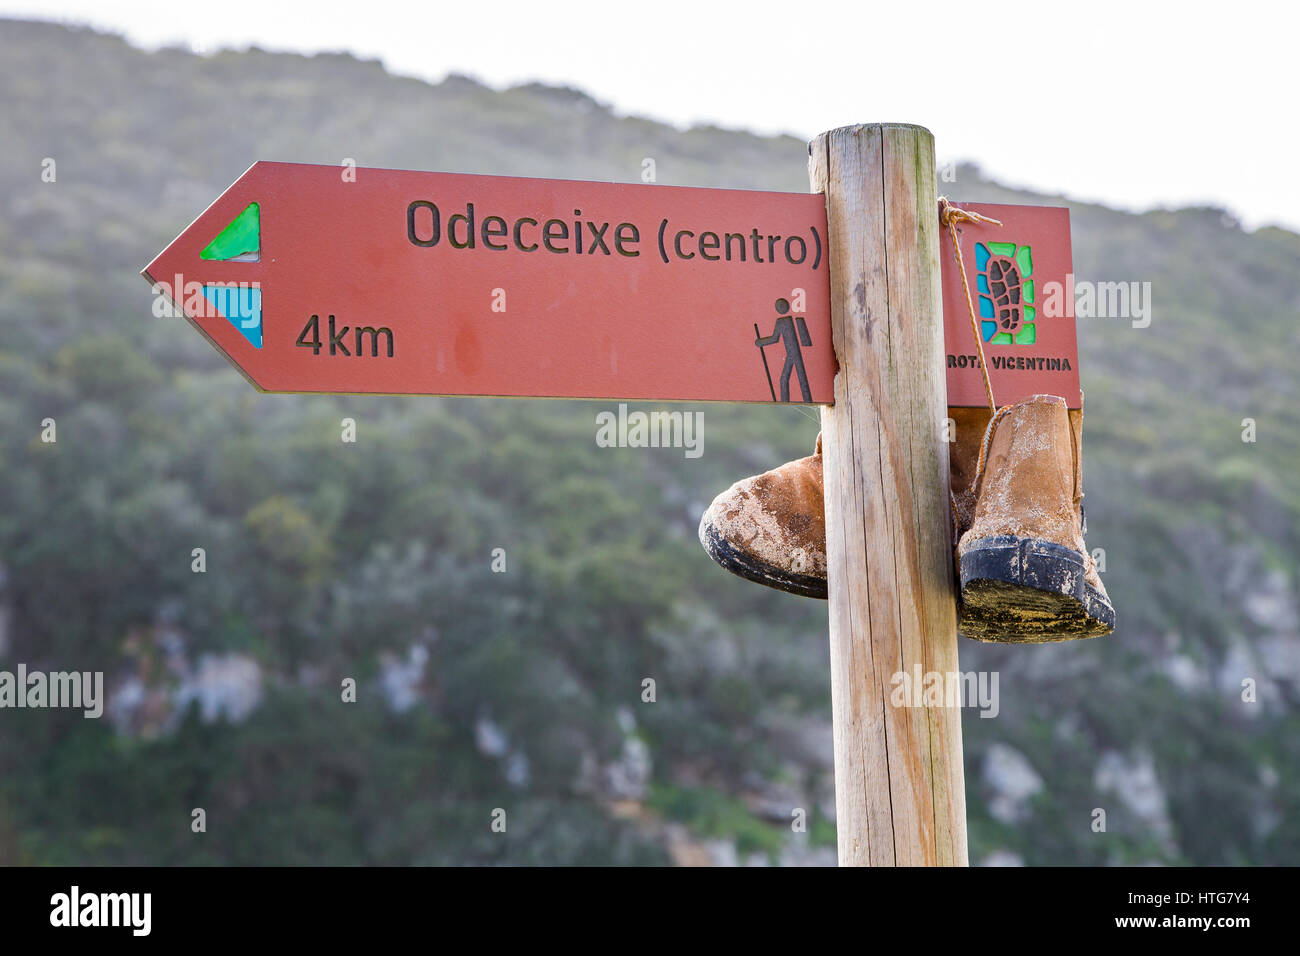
[(1027, 591)]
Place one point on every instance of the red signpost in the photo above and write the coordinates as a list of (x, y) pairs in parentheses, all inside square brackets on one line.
[(322, 279), (388, 281)]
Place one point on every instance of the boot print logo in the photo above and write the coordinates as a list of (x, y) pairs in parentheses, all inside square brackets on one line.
[(1006, 291), (792, 332)]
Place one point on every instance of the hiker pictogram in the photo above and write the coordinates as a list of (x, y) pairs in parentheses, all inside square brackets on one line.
[(793, 332)]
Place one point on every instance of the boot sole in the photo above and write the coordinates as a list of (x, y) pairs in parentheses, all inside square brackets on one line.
[(1025, 591), (741, 565)]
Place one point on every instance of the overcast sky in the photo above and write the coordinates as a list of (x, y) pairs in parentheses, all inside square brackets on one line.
[(1135, 104)]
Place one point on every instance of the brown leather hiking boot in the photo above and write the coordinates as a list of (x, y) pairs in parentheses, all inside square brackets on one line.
[(969, 426), (772, 528), (1026, 575)]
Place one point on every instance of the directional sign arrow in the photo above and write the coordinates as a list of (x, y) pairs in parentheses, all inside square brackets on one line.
[(328, 279)]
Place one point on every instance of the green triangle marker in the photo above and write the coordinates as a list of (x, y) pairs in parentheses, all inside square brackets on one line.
[(241, 240)]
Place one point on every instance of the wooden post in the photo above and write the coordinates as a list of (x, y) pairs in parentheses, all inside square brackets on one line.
[(899, 786)]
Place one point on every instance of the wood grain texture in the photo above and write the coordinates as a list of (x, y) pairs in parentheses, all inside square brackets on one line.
[(899, 783)]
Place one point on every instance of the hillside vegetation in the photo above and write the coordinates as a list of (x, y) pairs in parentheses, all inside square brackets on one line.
[(523, 690)]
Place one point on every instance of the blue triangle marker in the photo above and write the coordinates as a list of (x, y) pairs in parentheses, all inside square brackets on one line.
[(242, 308)]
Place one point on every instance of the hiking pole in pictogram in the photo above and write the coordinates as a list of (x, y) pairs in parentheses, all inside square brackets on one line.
[(766, 371)]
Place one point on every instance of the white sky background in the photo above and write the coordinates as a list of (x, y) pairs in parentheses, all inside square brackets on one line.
[(1136, 104)]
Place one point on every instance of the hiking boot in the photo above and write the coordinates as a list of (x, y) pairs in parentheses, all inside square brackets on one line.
[(771, 528), (1025, 573), (969, 426)]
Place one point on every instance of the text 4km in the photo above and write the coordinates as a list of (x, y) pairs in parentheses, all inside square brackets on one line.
[(339, 337)]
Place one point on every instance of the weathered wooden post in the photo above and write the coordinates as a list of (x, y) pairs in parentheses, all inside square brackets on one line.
[(899, 785)]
